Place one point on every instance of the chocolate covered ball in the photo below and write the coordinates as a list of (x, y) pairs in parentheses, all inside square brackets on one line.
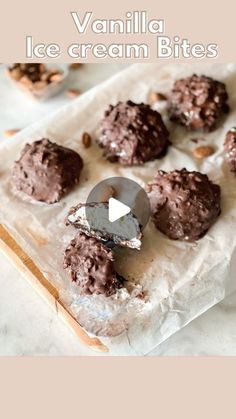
[(91, 265), (230, 148), (198, 102), (184, 204), (133, 134), (46, 171)]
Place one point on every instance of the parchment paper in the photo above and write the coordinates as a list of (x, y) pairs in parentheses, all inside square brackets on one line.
[(180, 280)]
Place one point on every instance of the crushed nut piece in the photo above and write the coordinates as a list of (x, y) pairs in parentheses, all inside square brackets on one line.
[(141, 295)]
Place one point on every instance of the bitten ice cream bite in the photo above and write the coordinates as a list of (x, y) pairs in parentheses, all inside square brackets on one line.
[(133, 134), (92, 219), (230, 148), (198, 102), (184, 205), (46, 171), (91, 266)]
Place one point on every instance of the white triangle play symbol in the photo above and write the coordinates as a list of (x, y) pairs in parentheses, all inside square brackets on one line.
[(116, 210)]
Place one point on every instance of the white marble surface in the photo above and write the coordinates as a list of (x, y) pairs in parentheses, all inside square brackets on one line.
[(27, 325)]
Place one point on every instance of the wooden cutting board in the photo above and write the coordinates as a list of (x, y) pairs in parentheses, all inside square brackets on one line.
[(35, 277)]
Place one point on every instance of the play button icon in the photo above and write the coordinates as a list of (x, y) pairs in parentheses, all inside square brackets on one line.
[(116, 210)]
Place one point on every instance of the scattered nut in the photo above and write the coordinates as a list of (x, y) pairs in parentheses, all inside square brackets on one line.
[(73, 92), (74, 66), (86, 140), (108, 192), (157, 97), (203, 151), (10, 132)]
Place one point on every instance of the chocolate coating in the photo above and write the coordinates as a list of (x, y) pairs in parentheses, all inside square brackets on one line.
[(184, 204), (46, 171), (133, 134), (91, 266), (230, 148), (197, 102)]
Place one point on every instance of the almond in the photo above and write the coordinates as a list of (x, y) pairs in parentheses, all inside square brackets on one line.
[(73, 92), (108, 192), (74, 66), (203, 151), (55, 78), (157, 97), (86, 140), (10, 132)]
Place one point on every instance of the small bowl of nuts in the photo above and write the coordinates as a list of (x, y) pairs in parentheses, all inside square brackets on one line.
[(40, 81)]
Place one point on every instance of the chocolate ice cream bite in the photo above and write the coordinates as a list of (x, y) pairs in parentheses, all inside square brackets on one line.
[(198, 102), (91, 266), (184, 204), (133, 134), (230, 148), (46, 171)]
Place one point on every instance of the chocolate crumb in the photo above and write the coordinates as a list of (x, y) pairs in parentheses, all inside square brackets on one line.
[(142, 296), (198, 139)]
